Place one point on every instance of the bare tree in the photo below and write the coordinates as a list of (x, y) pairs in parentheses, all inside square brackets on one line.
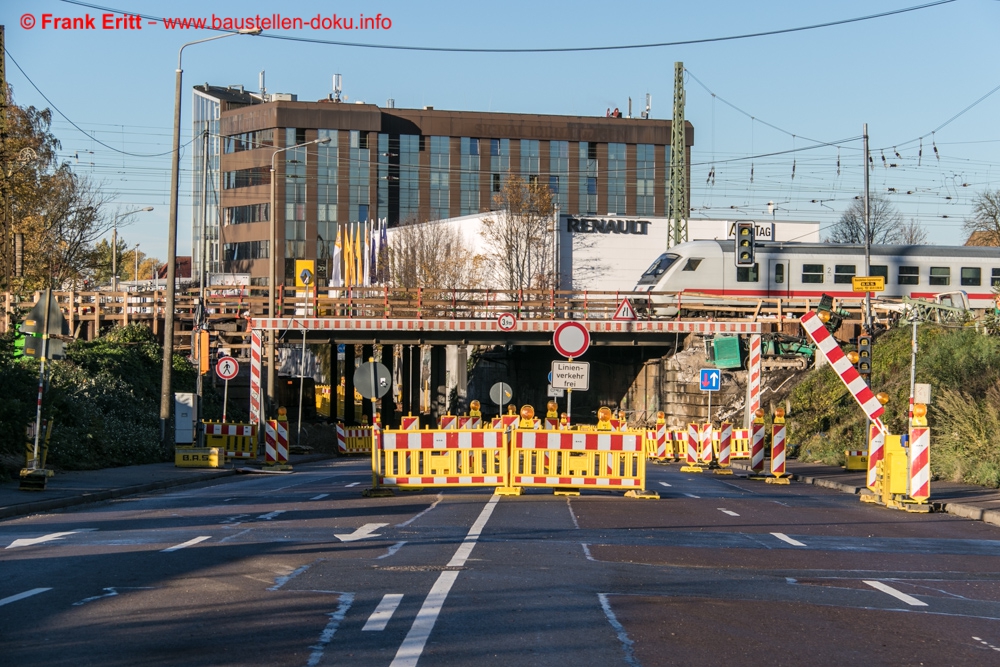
[(985, 218), (886, 223), (432, 255), (911, 233), (519, 236)]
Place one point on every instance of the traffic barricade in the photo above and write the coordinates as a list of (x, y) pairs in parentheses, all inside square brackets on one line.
[(741, 443), (470, 423), (568, 462), (855, 459), (454, 458), (876, 451), (447, 422), (323, 394), (354, 439), (778, 433), (276, 443), (409, 423), (692, 449), (237, 441), (705, 440), (725, 449)]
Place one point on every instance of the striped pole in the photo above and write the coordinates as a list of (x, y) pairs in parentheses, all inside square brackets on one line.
[(281, 445), (693, 440), (661, 441), (725, 444), (777, 450), (757, 447), (876, 452), (255, 356), (706, 443), (920, 463), (753, 379)]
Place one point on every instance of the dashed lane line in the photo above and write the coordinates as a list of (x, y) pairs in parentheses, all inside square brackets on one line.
[(189, 543), (899, 595), (352, 484), (665, 484), (691, 495), (725, 511), (383, 612), (786, 538), (986, 643), (21, 596), (320, 496), (271, 515)]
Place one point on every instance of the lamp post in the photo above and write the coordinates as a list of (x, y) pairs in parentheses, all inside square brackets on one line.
[(135, 276), (272, 277), (114, 244), (168, 316)]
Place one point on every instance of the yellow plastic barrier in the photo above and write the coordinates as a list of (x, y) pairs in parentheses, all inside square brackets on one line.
[(354, 439), (237, 441), (855, 459), (323, 393), (199, 457), (453, 458)]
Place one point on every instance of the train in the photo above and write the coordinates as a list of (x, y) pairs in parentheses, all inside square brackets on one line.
[(706, 272)]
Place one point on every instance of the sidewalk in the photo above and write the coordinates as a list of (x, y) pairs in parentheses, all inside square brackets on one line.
[(77, 487), (964, 500)]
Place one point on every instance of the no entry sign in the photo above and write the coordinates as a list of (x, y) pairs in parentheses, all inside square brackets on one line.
[(571, 339)]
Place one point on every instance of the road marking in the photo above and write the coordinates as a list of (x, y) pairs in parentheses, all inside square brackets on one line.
[(729, 512), (576, 524), (32, 541), (786, 538), (691, 495), (411, 648), (320, 496), (281, 581), (336, 618), (619, 630), (352, 484), (986, 643), (271, 515), (664, 484), (899, 595), (392, 550), (383, 612), (434, 504), (21, 596), (189, 543), (586, 552), (364, 532)]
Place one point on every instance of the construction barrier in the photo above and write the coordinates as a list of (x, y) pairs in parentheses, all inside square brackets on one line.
[(453, 458), (409, 423), (470, 423), (354, 439), (238, 441), (757, 447), (725, 448), (920, 463), (199, 457), (741, 443), (276, 442), (855, 459), (778, 452), (447, 422), (323, 394), (693, 448), (876, 452), (705, 438), (678, 439)]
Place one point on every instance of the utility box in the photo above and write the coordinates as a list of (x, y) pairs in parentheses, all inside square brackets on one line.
[(185, 415), (726, 350)]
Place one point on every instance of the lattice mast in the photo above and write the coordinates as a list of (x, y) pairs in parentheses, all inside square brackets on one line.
[(678, 202)]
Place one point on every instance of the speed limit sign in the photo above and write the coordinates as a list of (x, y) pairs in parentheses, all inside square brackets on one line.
[(506, 321)]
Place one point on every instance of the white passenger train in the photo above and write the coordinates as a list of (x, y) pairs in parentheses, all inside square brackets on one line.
[(705, 271)]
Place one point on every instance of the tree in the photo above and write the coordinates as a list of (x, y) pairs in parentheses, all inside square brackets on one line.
[(435, 255), (911, 233), (886, 223), (519, 236), (985, 218)]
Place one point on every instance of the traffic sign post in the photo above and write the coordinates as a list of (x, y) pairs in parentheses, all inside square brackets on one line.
[(506, 321), (571, 340), (711, 380), (500, 393), (226, 368)]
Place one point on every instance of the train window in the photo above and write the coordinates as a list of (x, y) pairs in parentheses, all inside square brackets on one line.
[(661, 264), (995, 281), (812, 273), (909, 275), (692, 264), (879, 270), (748, 274), (779, 273), (842, 273), (972, 275), (940, 275)]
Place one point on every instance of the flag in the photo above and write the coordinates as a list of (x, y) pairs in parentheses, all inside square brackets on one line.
[(336, 277), (383, 252), (372, 256), (359, 257), (348, 258)]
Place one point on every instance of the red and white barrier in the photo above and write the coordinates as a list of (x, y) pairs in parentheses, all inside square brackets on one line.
[(470, 422), (276, 442), (255, 357), (693, 444), (725, 444), (757, 448), (705, 437), (920, 463), (876, 452), (431, 447), (244, 430), (551, 423), (564, 441), (409, 423), (448, 422), (341, 438), (392, 440), (753, 379), (777, 449)]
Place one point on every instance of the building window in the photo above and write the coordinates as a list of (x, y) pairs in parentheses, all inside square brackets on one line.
[(530, 162), (559, 174), (812, 273), (588, 178), (398, 177), (246, 178), (295, 195), (616, 179), (248, 141), (748, 274), (240, 215), (499, 164), (359, 188), (469, 151), (843, 273), (972, 276), (245, 250), (440, 173), (645, 168), (326, 177), (940, 275), (908, 275)]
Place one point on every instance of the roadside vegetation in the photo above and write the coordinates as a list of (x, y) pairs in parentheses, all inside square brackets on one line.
[(963, 368)]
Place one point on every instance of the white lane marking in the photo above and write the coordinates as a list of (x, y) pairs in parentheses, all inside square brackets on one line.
[(899, 595), (231, 520), (365, 531), (31, 541), (392, 550), (786, 538), (691, 495), (352, 484), (986, 643), (189, 543), (281, 581), (235, 535), (411, 648), (725, 511), (664, 484), (619, 630), (586, 552), (110, 592), (383, 612), (271, 515), (320, 496), (21, 596), (569, 506), (434, 504), (336, 618)]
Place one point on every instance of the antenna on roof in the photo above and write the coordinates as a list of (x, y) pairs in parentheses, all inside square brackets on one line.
[(263, 89), (336, 88), (649, 104), (629, 106)]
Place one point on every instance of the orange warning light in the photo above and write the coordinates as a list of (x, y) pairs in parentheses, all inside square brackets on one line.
[(882, 397)]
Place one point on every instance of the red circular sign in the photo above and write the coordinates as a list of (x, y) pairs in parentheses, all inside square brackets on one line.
[(227, 368), (506, 321), (571, 339)]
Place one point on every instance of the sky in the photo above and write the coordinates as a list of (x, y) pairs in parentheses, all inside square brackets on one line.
[(778, 118)]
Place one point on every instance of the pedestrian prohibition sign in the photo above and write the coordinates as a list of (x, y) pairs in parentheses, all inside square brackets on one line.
[(227, 368)]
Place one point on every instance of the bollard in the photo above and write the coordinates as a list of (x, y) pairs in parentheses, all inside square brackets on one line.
[(725, 449), (705, 436), (691, 452), (920, 457), (778, 449)]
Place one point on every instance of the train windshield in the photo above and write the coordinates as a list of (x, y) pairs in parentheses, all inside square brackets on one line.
[(656, 270)]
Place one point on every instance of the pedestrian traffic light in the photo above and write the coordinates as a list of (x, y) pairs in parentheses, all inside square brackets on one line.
[(744, 243), (865, 355)]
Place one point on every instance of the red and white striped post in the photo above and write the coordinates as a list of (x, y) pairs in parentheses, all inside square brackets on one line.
[(778, 449), (753, 379), (725, 449), (255, 356), (706, 443), (692, 450), (876, 452), (757, 446), (920, 456)]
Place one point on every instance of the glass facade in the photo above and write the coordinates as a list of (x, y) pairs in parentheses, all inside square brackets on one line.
[(645, 170), (398, 177), (360, 190), (469, 150), (616, 179), (326, 198), (205, 186), (440, 173), (499, 166), (295, 197), (588, 178), (530, 166), (559, 174)]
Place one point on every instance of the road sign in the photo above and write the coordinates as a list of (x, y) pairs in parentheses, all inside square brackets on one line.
[(711, 379), (500, 393), (506, 321), (363, 380), (625, 311), (571, 375), (34, 321), (553, 392), (227, 368), (305, 271), (868, 283), (571, 339)]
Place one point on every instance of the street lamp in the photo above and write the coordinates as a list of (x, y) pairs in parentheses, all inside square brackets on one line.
[(272, 278), (168, 317), (114, 244), (135, 276)]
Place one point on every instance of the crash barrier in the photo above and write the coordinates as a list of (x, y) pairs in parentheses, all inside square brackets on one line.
[(441, 458), (276, 442), (237, 441), (354, 439)]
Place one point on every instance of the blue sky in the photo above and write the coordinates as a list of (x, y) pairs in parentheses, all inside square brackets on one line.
[(905, 75)]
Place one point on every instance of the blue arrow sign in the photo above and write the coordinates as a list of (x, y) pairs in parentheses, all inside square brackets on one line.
[(711, 379)]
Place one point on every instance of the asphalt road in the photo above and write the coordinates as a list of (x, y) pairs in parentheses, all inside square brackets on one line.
[(299, 569)]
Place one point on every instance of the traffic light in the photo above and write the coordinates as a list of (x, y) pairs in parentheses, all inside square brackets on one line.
[(744, 243), (865, 355)]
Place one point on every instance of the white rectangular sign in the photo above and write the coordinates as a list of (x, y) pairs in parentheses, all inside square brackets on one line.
[(571, 375), (555, 393)]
